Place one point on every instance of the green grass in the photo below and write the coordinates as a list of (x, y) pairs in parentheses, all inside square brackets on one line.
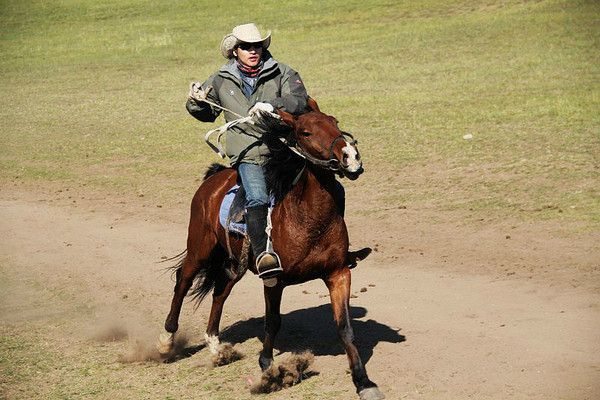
[(94, 92)]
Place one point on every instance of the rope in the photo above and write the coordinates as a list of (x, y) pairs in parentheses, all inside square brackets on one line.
[(207, 101), (223, 128), (331, 163), (221, 107)]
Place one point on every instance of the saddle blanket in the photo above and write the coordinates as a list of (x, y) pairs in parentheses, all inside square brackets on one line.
[(238, 227)]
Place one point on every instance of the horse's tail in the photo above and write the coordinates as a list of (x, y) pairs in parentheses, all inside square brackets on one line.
[(204, 281), (213, 169), (176, 269)]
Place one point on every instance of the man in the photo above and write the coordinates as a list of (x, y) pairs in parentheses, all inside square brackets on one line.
[(251, 81)]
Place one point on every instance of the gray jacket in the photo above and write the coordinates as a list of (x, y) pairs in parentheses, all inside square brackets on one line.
[(277, 84)]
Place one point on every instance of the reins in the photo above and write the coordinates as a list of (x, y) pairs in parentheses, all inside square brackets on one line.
[(331, 163), (223, 128)]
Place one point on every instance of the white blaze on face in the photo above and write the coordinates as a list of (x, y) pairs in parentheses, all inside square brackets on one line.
[(351, 158)]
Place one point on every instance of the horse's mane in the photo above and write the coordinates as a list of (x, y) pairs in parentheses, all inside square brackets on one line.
[(283, 165), (213, 169)]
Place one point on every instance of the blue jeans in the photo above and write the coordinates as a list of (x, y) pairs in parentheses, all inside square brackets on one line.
[(253, 179)]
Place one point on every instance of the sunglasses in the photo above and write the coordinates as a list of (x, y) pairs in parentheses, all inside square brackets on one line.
[(248, 46)]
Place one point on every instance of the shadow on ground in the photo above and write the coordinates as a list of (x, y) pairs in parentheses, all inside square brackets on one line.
[(309, 329), (313, 329)]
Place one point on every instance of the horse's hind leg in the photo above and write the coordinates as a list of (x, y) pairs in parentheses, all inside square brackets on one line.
[(339, 290), (184, 278), (222, 290)]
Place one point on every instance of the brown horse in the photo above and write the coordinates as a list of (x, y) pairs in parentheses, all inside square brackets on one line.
[(309, 233)]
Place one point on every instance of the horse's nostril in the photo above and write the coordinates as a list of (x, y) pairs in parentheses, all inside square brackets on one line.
[(345, 160)]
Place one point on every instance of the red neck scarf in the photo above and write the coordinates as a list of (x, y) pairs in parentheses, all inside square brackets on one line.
[(249, 71)]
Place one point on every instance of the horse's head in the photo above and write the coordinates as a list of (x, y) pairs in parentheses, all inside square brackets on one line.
[(319, 139)]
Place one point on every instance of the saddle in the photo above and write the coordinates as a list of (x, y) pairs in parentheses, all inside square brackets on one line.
[(233, 210)]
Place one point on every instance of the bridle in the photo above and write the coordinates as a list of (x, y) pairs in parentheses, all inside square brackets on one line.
[(332, 163)]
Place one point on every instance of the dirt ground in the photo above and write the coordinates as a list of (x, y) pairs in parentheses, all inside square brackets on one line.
[(446, 307)]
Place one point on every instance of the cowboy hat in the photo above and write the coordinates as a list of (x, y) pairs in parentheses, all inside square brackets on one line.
[(247, 33)]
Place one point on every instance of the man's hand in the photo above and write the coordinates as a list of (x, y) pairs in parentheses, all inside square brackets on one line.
[(196, 92), (258, 107)]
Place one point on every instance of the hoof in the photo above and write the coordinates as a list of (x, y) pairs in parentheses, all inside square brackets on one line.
[(226, 355), (165, 343), (371, 393), (353, 257)]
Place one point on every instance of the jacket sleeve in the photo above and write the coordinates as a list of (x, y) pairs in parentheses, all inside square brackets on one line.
[(203, 111), (293, 93)]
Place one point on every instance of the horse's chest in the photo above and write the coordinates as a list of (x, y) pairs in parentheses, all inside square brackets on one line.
[(315, 246)]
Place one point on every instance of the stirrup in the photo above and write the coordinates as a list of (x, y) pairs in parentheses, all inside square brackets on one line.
[(268, 265)]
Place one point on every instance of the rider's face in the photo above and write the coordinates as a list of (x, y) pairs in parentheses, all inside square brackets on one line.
[(249, 54)]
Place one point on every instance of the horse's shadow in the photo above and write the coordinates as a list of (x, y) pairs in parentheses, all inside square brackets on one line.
[(313, 329)]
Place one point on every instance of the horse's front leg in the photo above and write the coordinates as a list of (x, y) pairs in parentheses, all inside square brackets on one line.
[(339, 290), (272, 323)]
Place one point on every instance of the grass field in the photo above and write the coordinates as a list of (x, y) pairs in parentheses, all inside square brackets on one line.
[(94, 92), (93, 95)]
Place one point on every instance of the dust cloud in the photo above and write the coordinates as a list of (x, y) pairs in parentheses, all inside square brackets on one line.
[(284, 374)]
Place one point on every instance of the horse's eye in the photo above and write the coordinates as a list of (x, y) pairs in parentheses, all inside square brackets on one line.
[(305, 133)]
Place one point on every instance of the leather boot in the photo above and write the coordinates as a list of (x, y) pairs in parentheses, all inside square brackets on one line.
[(267, 264)]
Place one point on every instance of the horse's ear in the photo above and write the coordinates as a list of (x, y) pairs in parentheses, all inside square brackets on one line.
[(312, 104), (287, 118)]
